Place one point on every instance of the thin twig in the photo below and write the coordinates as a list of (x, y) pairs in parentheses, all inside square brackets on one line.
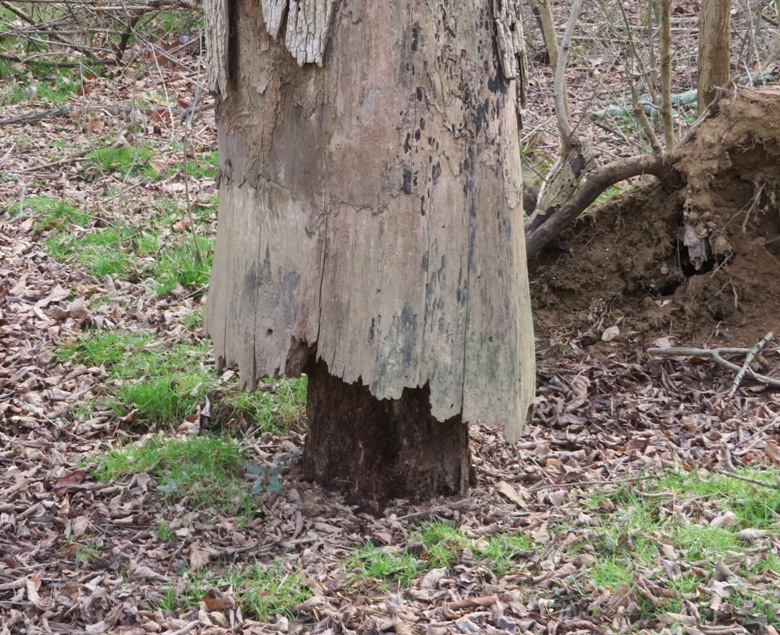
[(754, 437), (715, 354), (666, 74), (748, 360), (585, 483), (747, 479), (559, 86)]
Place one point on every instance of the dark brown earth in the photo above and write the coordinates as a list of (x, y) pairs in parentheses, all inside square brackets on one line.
[(699, 265)]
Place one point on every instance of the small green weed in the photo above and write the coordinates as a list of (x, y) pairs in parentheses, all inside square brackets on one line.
[(278, 405), (443, 543), (502, 552), (261, 589), (385, 565), (87, 553), (193, 319), (207, 470), (610, 192), (165, 532)]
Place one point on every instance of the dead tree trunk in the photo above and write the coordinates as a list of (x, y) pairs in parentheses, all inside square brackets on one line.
[(370, 227)]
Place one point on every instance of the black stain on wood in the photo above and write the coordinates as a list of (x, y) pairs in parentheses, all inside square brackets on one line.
[(406, 186)]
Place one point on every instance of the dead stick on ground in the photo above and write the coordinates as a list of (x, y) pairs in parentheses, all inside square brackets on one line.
[(748, 360), (76, 158), (586, 483), (748, 480), (754, 438), (715, 354)]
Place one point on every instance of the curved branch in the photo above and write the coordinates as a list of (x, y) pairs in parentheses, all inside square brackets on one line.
[(540, 230), (559, 87)]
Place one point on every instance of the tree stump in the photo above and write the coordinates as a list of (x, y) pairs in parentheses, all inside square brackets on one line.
[(379, 449)]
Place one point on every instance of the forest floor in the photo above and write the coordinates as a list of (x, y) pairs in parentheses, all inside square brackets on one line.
[(142, 492)]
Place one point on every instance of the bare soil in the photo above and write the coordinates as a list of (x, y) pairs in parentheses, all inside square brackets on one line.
[(698, 264)]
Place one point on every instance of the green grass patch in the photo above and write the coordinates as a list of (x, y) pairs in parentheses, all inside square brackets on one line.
[(610, 192), (102, 252), (116, 350), (631, 528), (443, 543), (436, 545), (126, 161), (503, 553), (165, 398), (121, 252), (50, 212), (37, 82), (206, 470), (203, 166), (262, 590), (278, 405), (179, 266), (387, 566), (193, 319), (756, 506), (162, 384)]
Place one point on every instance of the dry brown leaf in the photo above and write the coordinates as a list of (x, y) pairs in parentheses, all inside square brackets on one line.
[(772, 451), (510, 493)]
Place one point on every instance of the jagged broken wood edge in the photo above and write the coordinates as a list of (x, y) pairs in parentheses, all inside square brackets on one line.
[(306, 34)]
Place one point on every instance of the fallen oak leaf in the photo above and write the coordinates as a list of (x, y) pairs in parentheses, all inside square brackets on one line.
[(772, 451), (73, 482), (56, 294)]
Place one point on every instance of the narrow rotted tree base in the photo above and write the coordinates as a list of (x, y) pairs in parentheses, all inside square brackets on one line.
[(377, 450)]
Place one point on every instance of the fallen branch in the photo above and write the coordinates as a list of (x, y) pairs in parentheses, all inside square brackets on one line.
[(63, 111), (748, 360), (747, 479), (716, 354), (544, 227)]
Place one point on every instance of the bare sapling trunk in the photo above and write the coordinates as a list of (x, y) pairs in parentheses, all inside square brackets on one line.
[(666, 74), (547, 22), (370, 228), (714, 49), (574, 183)]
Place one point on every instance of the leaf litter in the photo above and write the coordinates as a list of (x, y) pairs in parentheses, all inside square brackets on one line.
[(80, 555)]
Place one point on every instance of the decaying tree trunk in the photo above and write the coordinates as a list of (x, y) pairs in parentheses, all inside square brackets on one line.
[(370, 227)]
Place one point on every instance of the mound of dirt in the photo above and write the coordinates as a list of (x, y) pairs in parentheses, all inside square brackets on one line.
[(700, 264)]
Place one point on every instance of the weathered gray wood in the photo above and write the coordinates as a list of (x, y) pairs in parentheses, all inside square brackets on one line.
[(308, 26), (216, 16), (273, 14), (371, 209), (509, 36)]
